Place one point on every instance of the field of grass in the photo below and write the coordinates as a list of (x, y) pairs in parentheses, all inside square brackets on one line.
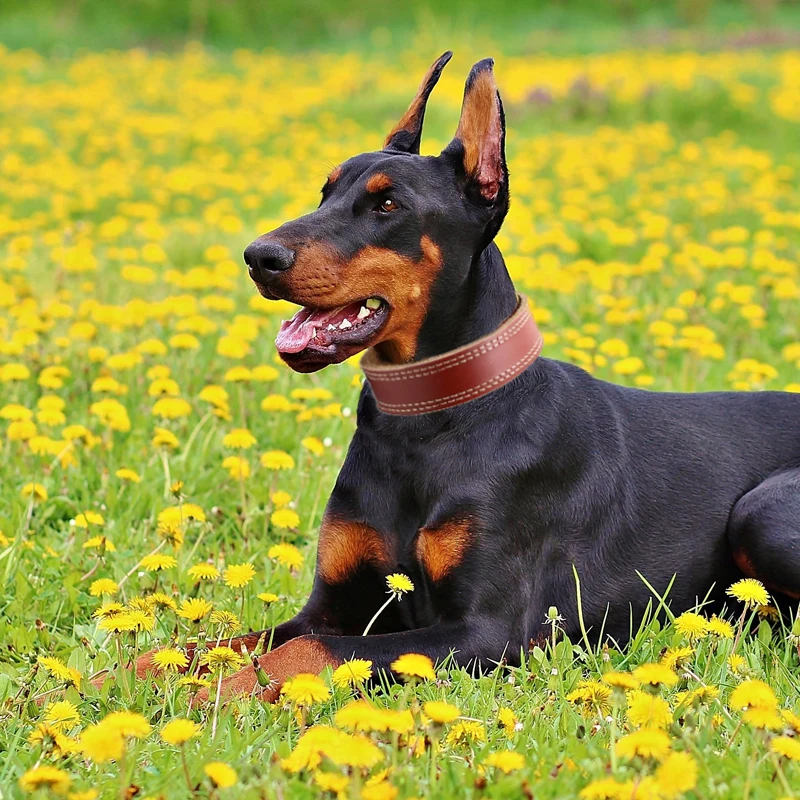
[(656, 226)]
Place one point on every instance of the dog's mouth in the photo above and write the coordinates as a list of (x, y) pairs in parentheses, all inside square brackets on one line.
[(330, 335)]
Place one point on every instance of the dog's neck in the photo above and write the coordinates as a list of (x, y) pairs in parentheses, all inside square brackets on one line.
[(461, 314)]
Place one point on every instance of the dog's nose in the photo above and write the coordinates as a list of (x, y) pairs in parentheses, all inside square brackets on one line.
[(264, 258)]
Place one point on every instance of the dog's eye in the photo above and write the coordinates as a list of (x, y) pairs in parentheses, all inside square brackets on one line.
[(387, 206)]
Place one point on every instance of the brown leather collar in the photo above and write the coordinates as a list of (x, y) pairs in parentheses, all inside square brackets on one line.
[(460, 375)]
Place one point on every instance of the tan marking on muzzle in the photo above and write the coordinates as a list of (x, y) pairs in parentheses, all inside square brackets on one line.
[(321, 279)]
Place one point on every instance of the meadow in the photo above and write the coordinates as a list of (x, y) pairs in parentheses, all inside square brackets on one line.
[(163, 474)]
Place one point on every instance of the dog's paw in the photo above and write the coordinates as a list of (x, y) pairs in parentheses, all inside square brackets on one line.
[(303, 654)]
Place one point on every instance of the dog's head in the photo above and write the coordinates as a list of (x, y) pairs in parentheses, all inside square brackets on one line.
[(394, 237)]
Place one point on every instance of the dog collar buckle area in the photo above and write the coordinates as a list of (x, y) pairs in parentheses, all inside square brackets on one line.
[(460, 375)]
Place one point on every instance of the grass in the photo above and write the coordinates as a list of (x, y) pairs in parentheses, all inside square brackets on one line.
[(654, 224)]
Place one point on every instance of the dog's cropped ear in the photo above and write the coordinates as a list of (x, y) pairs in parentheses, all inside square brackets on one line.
[(406, 135), (479, 142)]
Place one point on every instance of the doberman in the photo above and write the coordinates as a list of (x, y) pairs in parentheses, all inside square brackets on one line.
[(492, 506)]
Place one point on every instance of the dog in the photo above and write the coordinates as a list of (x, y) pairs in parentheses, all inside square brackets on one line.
[(494, 506)]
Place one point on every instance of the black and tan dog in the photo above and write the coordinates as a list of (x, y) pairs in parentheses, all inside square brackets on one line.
[(488, 506)]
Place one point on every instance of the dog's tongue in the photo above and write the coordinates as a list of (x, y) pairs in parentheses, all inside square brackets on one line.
[(296, 333)]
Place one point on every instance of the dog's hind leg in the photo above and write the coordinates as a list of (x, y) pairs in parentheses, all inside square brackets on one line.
[(764, 532)]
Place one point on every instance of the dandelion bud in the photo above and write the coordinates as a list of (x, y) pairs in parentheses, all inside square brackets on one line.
[(552, 613), (261, 676)]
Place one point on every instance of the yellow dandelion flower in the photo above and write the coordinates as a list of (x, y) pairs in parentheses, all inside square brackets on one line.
[(62, 715), (356, 751), (648, 711), (193, 682), (737, 663), (314, 445), (203, 572), (361, 715), (352, 673), (194, 609), (225, 622), (701, 694), (52, 740), (239, 439), (647, 743), (237, 576), (655, 674), (786, 746), (507, 721), (284, 518), (753, 694), (170, 659), (45, 777), (280, 498), (620, 680), (102, 543), (750, 592), (238, 467), (277, 460), (221, 659), (379, 791), (268, 597), (335, 783), (58, 669), (158, 561), (221, 775), (166, 439), (103, 586), (171, 408), (129, 475), (306, 689), (676, 774), (440, 712), (179, 731), (127, 723), (287, 555), (692, 626), (465, 731), (766, 718), (506, 761), (591, 695), (34, 491), (399, 584), (414, 665), (182, 514), (720, 628), (89, 518)]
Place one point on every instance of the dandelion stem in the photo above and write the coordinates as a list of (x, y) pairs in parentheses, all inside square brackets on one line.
[(377, 614), (216, 706), (186, 768)]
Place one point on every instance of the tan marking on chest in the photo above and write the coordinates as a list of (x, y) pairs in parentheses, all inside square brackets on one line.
[(344, 546), (440, 550)]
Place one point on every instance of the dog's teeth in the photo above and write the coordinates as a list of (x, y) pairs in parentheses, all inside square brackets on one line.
[(313, 333), (345, 323), (363, 312), (331, 327), (373, 303)]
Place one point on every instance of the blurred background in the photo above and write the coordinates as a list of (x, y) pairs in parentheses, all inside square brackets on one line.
[(63, 25)]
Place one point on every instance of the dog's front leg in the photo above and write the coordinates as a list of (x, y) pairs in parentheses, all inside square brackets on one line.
[(471, 643)]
